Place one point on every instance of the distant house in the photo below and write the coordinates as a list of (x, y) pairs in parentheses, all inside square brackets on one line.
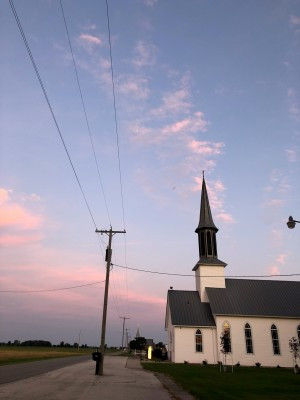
[(260, 316)]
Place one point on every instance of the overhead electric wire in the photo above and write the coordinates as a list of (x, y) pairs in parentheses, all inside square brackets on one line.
[(51, 290), (115, 111), (151, 272), (202, 276), (84, 110), (117, 139), (49, 105)]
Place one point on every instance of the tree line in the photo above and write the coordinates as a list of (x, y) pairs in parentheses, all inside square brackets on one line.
[(41, 343)]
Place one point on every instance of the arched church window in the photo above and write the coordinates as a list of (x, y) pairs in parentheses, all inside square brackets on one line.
[(199, 342), (209, 249), (248, 339), (275, 340), (226, 337), (298, 332), (215, 245), (202, 244)]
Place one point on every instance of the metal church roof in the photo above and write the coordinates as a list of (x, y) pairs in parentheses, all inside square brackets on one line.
[(187, 309), (262, 298)]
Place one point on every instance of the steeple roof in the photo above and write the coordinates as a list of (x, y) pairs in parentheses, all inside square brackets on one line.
[(206, 220)]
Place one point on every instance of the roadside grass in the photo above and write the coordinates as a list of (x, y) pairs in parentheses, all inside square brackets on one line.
[(248, 383), (21, 354)]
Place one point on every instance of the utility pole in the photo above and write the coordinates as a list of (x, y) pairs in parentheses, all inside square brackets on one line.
[(110, 234), (127, 342), (124, 318)]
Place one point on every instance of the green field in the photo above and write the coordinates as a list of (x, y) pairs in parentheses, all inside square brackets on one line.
[(20, 354), (208, 383)]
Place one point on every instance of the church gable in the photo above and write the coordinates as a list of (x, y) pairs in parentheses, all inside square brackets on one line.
[(186, 309)]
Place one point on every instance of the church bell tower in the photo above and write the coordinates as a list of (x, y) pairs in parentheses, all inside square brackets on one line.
[(209, 270)]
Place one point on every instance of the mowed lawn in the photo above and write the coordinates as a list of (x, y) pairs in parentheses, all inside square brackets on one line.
[(18, 354), (208, 383)]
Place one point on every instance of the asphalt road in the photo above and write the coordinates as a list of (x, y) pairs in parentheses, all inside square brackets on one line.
[(15, 372)]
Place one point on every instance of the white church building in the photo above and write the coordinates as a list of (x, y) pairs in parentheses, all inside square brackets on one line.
[(260, 316)]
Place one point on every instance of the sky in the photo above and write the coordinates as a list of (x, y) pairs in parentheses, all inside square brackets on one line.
[(199, 85)]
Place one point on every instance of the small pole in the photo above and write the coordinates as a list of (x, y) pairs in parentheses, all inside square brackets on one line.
[(79, 339), (124, 318), (110, 234)]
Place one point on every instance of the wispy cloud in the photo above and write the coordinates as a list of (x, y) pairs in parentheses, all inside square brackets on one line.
[(216, 190), (144, 54), (174, 102), (150, 3), (293, 103), (280, 260), (294, 20), (205, 147), (91, 39), (292, 155), (133, 85)]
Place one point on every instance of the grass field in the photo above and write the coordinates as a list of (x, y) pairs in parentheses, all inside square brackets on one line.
[(19, 354), (208, 383)]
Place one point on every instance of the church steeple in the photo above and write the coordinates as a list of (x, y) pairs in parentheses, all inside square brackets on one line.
[(209, 270), (206, 231)]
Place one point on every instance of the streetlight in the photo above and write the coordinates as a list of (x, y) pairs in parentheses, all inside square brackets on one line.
[(292, 222)]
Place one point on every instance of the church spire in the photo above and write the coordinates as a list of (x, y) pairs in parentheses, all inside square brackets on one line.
[(206, 220), (206, 231)]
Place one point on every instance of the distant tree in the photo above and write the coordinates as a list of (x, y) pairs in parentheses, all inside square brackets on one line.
[(75, 345), (16, 343), (160, 345), (62, 344), (9, 343), (138, 343), (37, 343), (157, 353), (295, 350)]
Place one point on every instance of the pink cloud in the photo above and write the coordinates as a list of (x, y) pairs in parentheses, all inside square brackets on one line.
[(12, 214), (19, 220), (174, 102), (133, 85), (281, 259), (150, 3), (204, 147), (145, 54), (291, 155), (294, 20), (225, 217), (193, 124), (274, 270), (274, 203), (15, 240), (91, 39)]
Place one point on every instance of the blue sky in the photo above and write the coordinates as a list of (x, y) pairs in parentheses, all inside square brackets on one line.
[(199, 85)]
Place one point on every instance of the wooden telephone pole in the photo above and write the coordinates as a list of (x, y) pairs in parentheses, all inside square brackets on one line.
[(110, 234)]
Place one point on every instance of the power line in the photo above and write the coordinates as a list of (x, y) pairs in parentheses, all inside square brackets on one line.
[(151, 272), (51, 290), (84, 110), (49, 104), (115, 111), (117, 138), (202, 276)]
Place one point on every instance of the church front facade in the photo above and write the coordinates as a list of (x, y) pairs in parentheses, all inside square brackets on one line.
[(258, 316)]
